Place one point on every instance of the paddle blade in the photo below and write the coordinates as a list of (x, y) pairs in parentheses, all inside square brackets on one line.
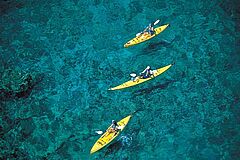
[(138, 34), (156, 22), (133, 74), (99, 132), (121, 127)]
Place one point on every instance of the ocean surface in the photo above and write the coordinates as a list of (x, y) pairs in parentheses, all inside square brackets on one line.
[(58, 59)]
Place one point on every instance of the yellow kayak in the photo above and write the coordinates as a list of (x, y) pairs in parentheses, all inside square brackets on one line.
[(107, 137), (131, 83), (145, 36)]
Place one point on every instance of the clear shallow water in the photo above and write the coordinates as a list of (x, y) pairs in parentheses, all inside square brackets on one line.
[(75, 48)]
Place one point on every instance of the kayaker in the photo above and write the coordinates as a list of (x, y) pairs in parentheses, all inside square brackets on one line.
[(114, 127), (146, 73), (150, 29)]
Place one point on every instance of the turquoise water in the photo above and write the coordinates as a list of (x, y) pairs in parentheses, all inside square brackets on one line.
[(72, 52)]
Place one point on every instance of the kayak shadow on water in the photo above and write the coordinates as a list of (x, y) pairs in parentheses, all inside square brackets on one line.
[(151, 89), (156, 46), (112, 148), (123, 141), (152, 47)]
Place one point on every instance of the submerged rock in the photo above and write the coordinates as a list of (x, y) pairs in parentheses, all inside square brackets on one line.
[(15, 84)]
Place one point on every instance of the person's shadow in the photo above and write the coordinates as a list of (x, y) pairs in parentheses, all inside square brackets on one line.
[(113, 148), (156, 46), (152, 47), (151, 89)]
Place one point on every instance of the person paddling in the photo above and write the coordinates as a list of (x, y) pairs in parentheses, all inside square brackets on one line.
[(149, 29), (147, 72), (114, 127)]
